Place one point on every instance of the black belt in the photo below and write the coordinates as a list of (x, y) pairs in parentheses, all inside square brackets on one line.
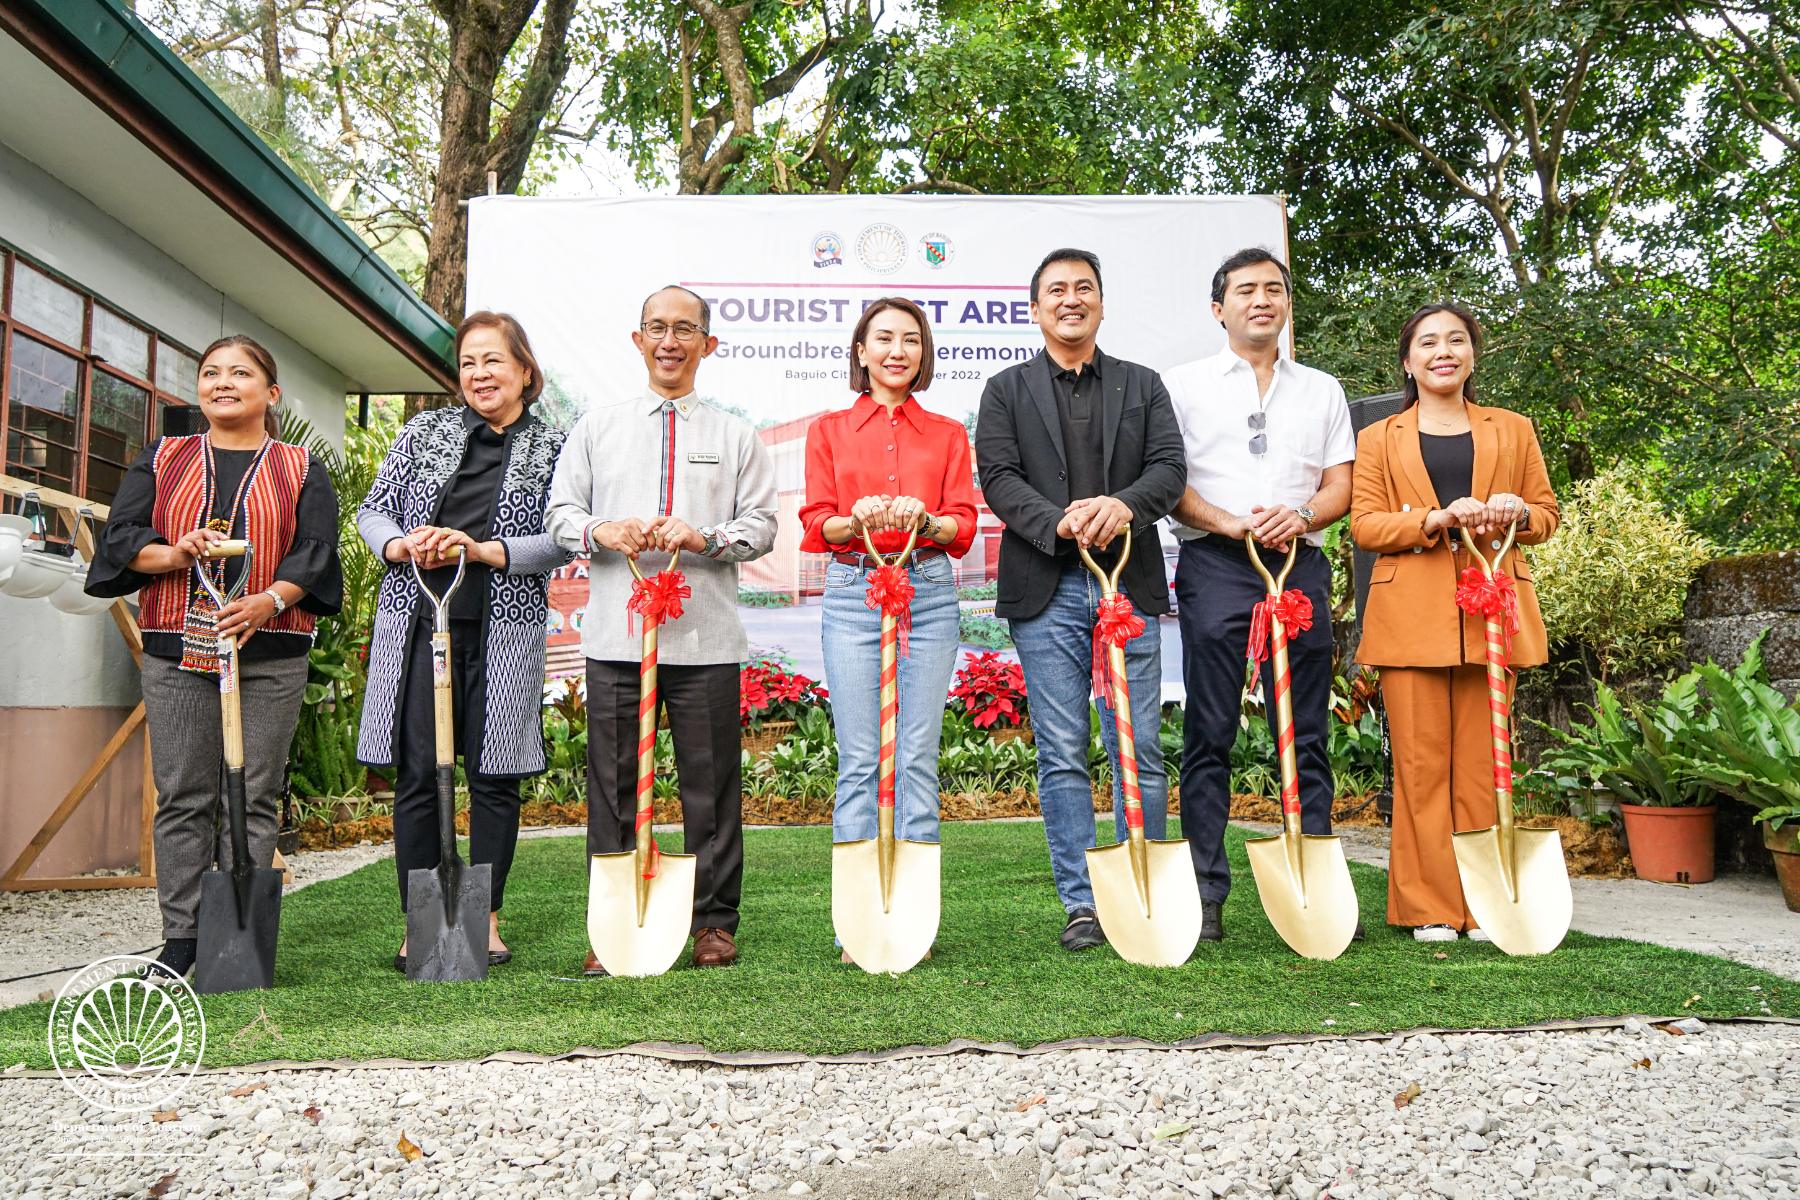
[(859, 559)]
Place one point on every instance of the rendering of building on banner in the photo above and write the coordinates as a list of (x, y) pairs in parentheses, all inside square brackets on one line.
[(140, 220)]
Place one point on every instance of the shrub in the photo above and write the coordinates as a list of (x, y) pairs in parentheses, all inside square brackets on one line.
[(1613, 579), (990, 690), (763, 598), (768, 691), (990, 632)]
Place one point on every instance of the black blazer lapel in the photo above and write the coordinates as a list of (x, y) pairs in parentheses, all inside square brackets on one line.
[(1113, 383), (1037, 382)]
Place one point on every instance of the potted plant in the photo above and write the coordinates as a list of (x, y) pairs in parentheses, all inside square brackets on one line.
[(991, 690), (1749, 748), (1630, 750), (771, 698)]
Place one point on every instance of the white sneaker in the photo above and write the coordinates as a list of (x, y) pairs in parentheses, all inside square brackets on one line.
[(1434, 933), (1478, 934)]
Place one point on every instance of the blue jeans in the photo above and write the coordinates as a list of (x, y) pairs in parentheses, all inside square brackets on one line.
[(1056, 648), (852, 642)]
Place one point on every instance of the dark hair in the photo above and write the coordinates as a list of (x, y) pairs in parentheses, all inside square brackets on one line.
[(705, 308), (859, 374), (265, 362), (1409, 387), (1068, 254), (1247, 257), (517, 344)]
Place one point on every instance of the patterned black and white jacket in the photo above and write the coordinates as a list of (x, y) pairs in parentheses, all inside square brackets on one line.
[(405, 495)]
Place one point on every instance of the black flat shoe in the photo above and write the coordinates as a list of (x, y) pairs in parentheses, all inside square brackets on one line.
[(498, 957), (1212, 925), (1082, 931), (400, 963), (1360, 933)]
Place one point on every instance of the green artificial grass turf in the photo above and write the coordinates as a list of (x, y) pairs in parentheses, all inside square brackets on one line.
[(997, 973)]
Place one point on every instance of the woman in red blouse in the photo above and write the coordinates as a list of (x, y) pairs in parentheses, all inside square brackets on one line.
[(880, 465)]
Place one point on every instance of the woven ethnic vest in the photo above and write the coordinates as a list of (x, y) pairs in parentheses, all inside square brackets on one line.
[(269, 507)]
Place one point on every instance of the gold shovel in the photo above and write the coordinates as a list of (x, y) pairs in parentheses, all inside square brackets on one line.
[(1145, 893), (641, 901), (1302, 878), (1515, 881), (886, 928)]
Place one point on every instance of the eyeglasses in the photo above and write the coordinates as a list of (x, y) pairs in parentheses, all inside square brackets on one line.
[(684, 331), (1259, 441)]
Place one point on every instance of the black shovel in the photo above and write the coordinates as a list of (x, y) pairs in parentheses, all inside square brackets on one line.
[(447, 905), (240, 909)]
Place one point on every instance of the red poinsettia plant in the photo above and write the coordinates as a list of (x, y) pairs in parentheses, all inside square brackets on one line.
[(768, 691), (991, 690)]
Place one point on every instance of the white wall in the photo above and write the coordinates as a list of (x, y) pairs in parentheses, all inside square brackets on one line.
[(52, 660)]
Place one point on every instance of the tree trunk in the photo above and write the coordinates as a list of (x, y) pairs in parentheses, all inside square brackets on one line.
[(271, 64)]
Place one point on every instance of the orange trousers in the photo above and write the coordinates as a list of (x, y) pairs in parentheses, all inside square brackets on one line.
[(1443, 783)]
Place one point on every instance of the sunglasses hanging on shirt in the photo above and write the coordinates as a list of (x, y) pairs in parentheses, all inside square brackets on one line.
[(1259, 440)]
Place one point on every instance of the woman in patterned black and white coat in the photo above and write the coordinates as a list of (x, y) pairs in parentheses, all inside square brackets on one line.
[(475, 476)]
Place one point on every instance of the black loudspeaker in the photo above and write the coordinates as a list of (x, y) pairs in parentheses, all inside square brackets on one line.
[(1364, 413), (181, 420)]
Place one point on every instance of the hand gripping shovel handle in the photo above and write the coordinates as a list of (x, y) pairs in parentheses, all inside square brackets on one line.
[(1284, 683), (1120, 686), (890, 720), (444, 731), (231, 725), (644, 849), (1499, 711)]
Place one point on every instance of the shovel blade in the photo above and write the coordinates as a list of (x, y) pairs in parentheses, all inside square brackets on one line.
[(1314, 911), (1166, 936), (892, 939), (236, 949), (453, 951), (1534, 922), (620, 942)]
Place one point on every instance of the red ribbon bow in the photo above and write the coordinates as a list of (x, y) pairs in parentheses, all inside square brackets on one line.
[(658, 598), (1294, 610), (1115, 623), (891, 594), (1481, 596)]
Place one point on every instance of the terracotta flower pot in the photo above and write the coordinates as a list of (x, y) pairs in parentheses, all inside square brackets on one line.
[(1670, 845), (1784, 844)]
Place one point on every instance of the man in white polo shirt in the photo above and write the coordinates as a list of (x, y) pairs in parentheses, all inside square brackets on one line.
[(1269, 451)]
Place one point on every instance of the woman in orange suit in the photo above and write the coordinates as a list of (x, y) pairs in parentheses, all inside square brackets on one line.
[(1440, 465)]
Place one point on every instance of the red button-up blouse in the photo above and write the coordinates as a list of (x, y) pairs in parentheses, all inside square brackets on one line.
[(863, 451)]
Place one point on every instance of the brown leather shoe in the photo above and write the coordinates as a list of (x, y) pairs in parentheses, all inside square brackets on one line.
[(714, 948), (591, 966)]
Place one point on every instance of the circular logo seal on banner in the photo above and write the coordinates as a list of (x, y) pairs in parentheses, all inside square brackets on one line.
[(936, 250), (882, 248), (827, 250), (122, 1043)]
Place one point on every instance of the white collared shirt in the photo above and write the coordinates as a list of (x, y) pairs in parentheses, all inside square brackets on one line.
[(1307, 425)]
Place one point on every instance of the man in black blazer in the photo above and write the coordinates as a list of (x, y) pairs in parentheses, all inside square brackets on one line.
[(1073, 447)]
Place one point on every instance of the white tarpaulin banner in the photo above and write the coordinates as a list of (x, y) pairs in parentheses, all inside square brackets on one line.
[(787, 277)]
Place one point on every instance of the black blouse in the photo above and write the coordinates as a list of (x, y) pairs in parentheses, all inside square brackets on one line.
[(1450, 461), (468, 504), (310, 564)]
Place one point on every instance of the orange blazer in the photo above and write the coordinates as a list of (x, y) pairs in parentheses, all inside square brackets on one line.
[(1411, 618)]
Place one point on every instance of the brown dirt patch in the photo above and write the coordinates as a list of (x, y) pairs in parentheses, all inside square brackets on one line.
[(1591, 850)]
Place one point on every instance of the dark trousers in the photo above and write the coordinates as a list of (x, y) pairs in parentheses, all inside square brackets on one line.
[(493, 801), (1216, 587), (702, 704)]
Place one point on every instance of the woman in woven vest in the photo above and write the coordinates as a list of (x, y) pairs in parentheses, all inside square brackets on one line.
[(233, 481), (474, 475)]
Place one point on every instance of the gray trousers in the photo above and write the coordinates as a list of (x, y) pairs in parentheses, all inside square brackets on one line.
[(187, 761)]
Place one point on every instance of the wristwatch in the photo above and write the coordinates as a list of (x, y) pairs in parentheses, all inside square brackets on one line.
[(1306, 514), (280, 604), (710, 543)]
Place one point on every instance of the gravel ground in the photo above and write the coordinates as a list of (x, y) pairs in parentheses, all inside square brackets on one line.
[(1627, 1112)]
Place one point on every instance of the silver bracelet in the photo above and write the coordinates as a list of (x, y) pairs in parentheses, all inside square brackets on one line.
[(280, 604)]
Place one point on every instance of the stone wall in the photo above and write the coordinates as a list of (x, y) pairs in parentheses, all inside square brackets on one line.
[(1733, 599)]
